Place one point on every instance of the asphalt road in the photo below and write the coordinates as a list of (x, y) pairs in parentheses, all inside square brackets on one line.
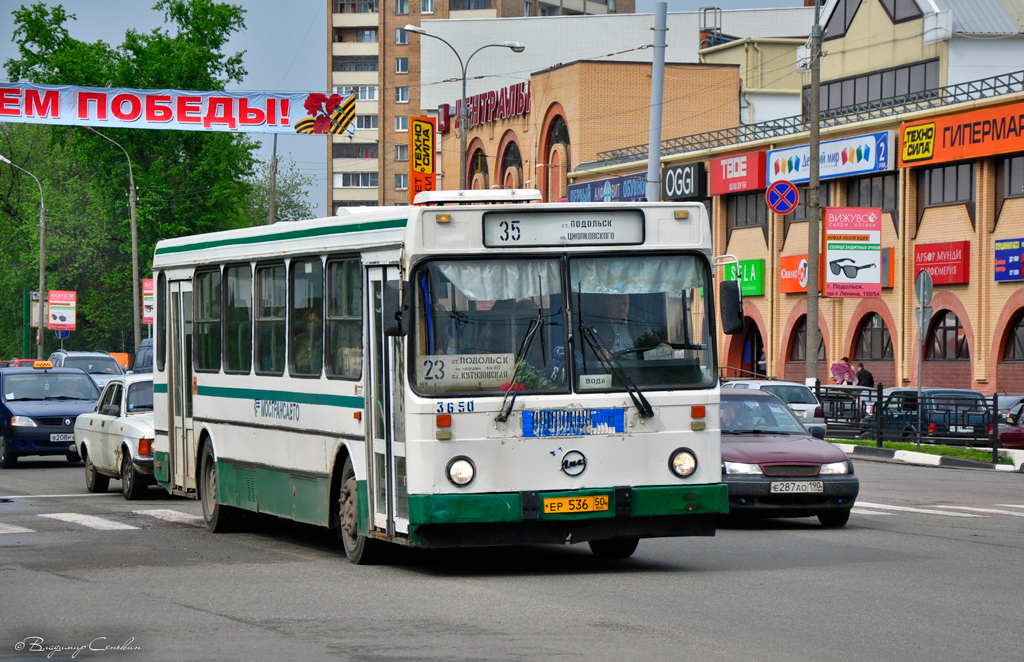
[(929, 568)]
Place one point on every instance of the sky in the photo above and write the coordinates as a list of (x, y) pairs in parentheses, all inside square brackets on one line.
[(285, 44)]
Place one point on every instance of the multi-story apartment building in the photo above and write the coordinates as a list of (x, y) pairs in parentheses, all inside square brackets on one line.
[(373, 56)]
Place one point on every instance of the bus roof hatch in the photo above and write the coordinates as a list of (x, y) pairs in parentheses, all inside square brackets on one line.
[(477, 196)]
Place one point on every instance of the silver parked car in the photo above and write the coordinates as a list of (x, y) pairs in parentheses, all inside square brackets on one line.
[(799, 397)]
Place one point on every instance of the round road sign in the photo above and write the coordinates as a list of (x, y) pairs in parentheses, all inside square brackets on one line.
[(782, 197), (923, 287), (62, 334)]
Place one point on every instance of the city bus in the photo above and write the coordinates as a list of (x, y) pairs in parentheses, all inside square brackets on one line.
[(477, 369)]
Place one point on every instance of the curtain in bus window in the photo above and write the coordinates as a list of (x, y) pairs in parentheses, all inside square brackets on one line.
[(641, 275), (239, 319), (502, 279)]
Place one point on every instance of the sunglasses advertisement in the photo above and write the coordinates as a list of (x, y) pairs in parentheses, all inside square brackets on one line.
[(853, 255)]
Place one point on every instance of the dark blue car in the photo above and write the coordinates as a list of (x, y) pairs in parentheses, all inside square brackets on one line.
[(38, 408)]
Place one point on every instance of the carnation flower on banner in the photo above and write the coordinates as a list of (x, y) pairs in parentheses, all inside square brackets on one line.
[(328, 114)]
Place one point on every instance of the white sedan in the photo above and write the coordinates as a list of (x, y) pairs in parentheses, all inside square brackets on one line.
[(116, 440)]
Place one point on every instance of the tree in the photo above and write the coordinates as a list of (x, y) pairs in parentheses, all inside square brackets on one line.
[(292, 202), (188, 182)]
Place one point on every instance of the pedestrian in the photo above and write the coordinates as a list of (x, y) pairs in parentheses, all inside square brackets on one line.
[(864, 377), (843, 372), (762, 365)]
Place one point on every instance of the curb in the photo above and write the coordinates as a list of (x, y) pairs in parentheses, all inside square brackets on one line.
[(927, 459)]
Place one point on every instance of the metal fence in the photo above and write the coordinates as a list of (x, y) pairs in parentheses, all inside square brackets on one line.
[(943, 96)]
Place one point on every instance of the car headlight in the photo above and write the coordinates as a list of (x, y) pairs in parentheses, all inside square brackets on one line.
[(741, 468), (682, 462), (461, 471), (835, 468), (22, 422)]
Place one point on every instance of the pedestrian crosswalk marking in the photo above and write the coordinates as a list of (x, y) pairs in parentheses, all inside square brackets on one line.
[(175, 516), (908, 509), (90, 521), (994, 511), (10, 528)]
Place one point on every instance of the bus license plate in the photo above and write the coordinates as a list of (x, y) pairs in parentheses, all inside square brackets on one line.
[(797, 486), (62, 437), (588, 504)]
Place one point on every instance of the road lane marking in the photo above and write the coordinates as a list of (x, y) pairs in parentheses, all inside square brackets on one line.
[(10, 528), (60, 496), (90, 521), (908, 509), (1010, 505), (864, 511), (994, 511), (175, 516)]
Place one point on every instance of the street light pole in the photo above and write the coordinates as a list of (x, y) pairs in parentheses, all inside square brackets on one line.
[(42, 255), (514, 46), (814, 207), (136, 321)]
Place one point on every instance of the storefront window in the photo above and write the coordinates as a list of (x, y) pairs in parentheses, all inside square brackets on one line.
[(877, 191), (798, 351), (947, 341), (1015, 343), (746, 210), (873, 340)]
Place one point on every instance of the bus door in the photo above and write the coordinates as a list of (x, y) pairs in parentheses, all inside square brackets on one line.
[(179, 388), (387, 471)]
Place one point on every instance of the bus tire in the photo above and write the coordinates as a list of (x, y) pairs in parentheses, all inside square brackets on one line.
[(133, 485), (94, 480), (614, 549), (359, 549), (218, 517)]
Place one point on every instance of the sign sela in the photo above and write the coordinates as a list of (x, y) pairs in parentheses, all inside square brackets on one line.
[(750, 273), (490, 106)]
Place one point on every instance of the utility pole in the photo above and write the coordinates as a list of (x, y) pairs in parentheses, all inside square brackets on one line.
[(272, 201), (814, 202), (657, 97)]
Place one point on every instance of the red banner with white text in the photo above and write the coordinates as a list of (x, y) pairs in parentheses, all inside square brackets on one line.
[(252, 112)]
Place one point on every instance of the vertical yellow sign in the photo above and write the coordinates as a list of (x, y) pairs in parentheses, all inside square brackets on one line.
[(422, 159)]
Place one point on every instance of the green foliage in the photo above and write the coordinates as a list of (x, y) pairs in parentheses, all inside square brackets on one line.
[(187, 182), (291, 200)]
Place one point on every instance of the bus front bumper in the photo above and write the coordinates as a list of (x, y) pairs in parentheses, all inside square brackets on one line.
[(458, 520)]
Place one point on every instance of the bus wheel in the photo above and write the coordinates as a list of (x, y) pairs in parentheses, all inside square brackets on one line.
[(219, 518), (94, 480), (614, 549), (359, 549)]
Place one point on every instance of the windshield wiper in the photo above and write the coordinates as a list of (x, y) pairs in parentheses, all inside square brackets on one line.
[(608, 361), (513, 387)]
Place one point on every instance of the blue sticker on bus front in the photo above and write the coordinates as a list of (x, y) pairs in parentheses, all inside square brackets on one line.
[(573, 423)]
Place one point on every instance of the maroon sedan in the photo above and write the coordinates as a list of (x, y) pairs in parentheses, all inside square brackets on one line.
[(1011, 430), (774, 468)]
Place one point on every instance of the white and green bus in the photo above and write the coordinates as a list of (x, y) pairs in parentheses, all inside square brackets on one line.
[(448, 375)]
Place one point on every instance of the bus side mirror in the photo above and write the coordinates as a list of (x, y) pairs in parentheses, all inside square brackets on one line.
[(397, 297), (731, 304)]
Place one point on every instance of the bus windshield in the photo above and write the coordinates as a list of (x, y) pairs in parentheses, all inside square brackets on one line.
[(488, 326), (476, 318), (641, 319)]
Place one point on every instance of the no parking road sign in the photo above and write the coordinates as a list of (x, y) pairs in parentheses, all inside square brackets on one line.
[(782, 197)]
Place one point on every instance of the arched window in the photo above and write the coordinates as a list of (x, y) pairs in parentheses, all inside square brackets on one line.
[(1015, 342), (558, 133), (511, 160), (873, 340), (478, 166), (798, 350), (947, 341)]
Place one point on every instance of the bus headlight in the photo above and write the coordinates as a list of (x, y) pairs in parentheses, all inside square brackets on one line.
[(682, 462), (461, 471)]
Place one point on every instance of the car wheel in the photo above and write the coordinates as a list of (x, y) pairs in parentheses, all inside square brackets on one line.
[(7, 458), (133, 486), (359, 549), (834, 519), (94, 480), (219, 518), (614, 549)]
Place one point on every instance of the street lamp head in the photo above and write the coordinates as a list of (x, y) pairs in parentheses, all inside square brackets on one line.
[(414, 28), (516, 46)]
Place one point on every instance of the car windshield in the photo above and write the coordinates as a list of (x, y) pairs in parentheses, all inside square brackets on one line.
[(140, 397), (791, 393), (94, 365), (758, 416), (49, 386)]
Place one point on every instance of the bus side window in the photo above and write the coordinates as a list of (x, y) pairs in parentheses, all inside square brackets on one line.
[(344, 319), (307, 327), (270, 319)]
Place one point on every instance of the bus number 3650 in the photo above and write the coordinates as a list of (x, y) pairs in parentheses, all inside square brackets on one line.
[(460, 407)]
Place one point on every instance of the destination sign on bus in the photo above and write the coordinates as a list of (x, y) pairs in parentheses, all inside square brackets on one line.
[(476, 370), (599, 228)]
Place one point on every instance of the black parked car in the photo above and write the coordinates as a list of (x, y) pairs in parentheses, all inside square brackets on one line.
[(947, 414)]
